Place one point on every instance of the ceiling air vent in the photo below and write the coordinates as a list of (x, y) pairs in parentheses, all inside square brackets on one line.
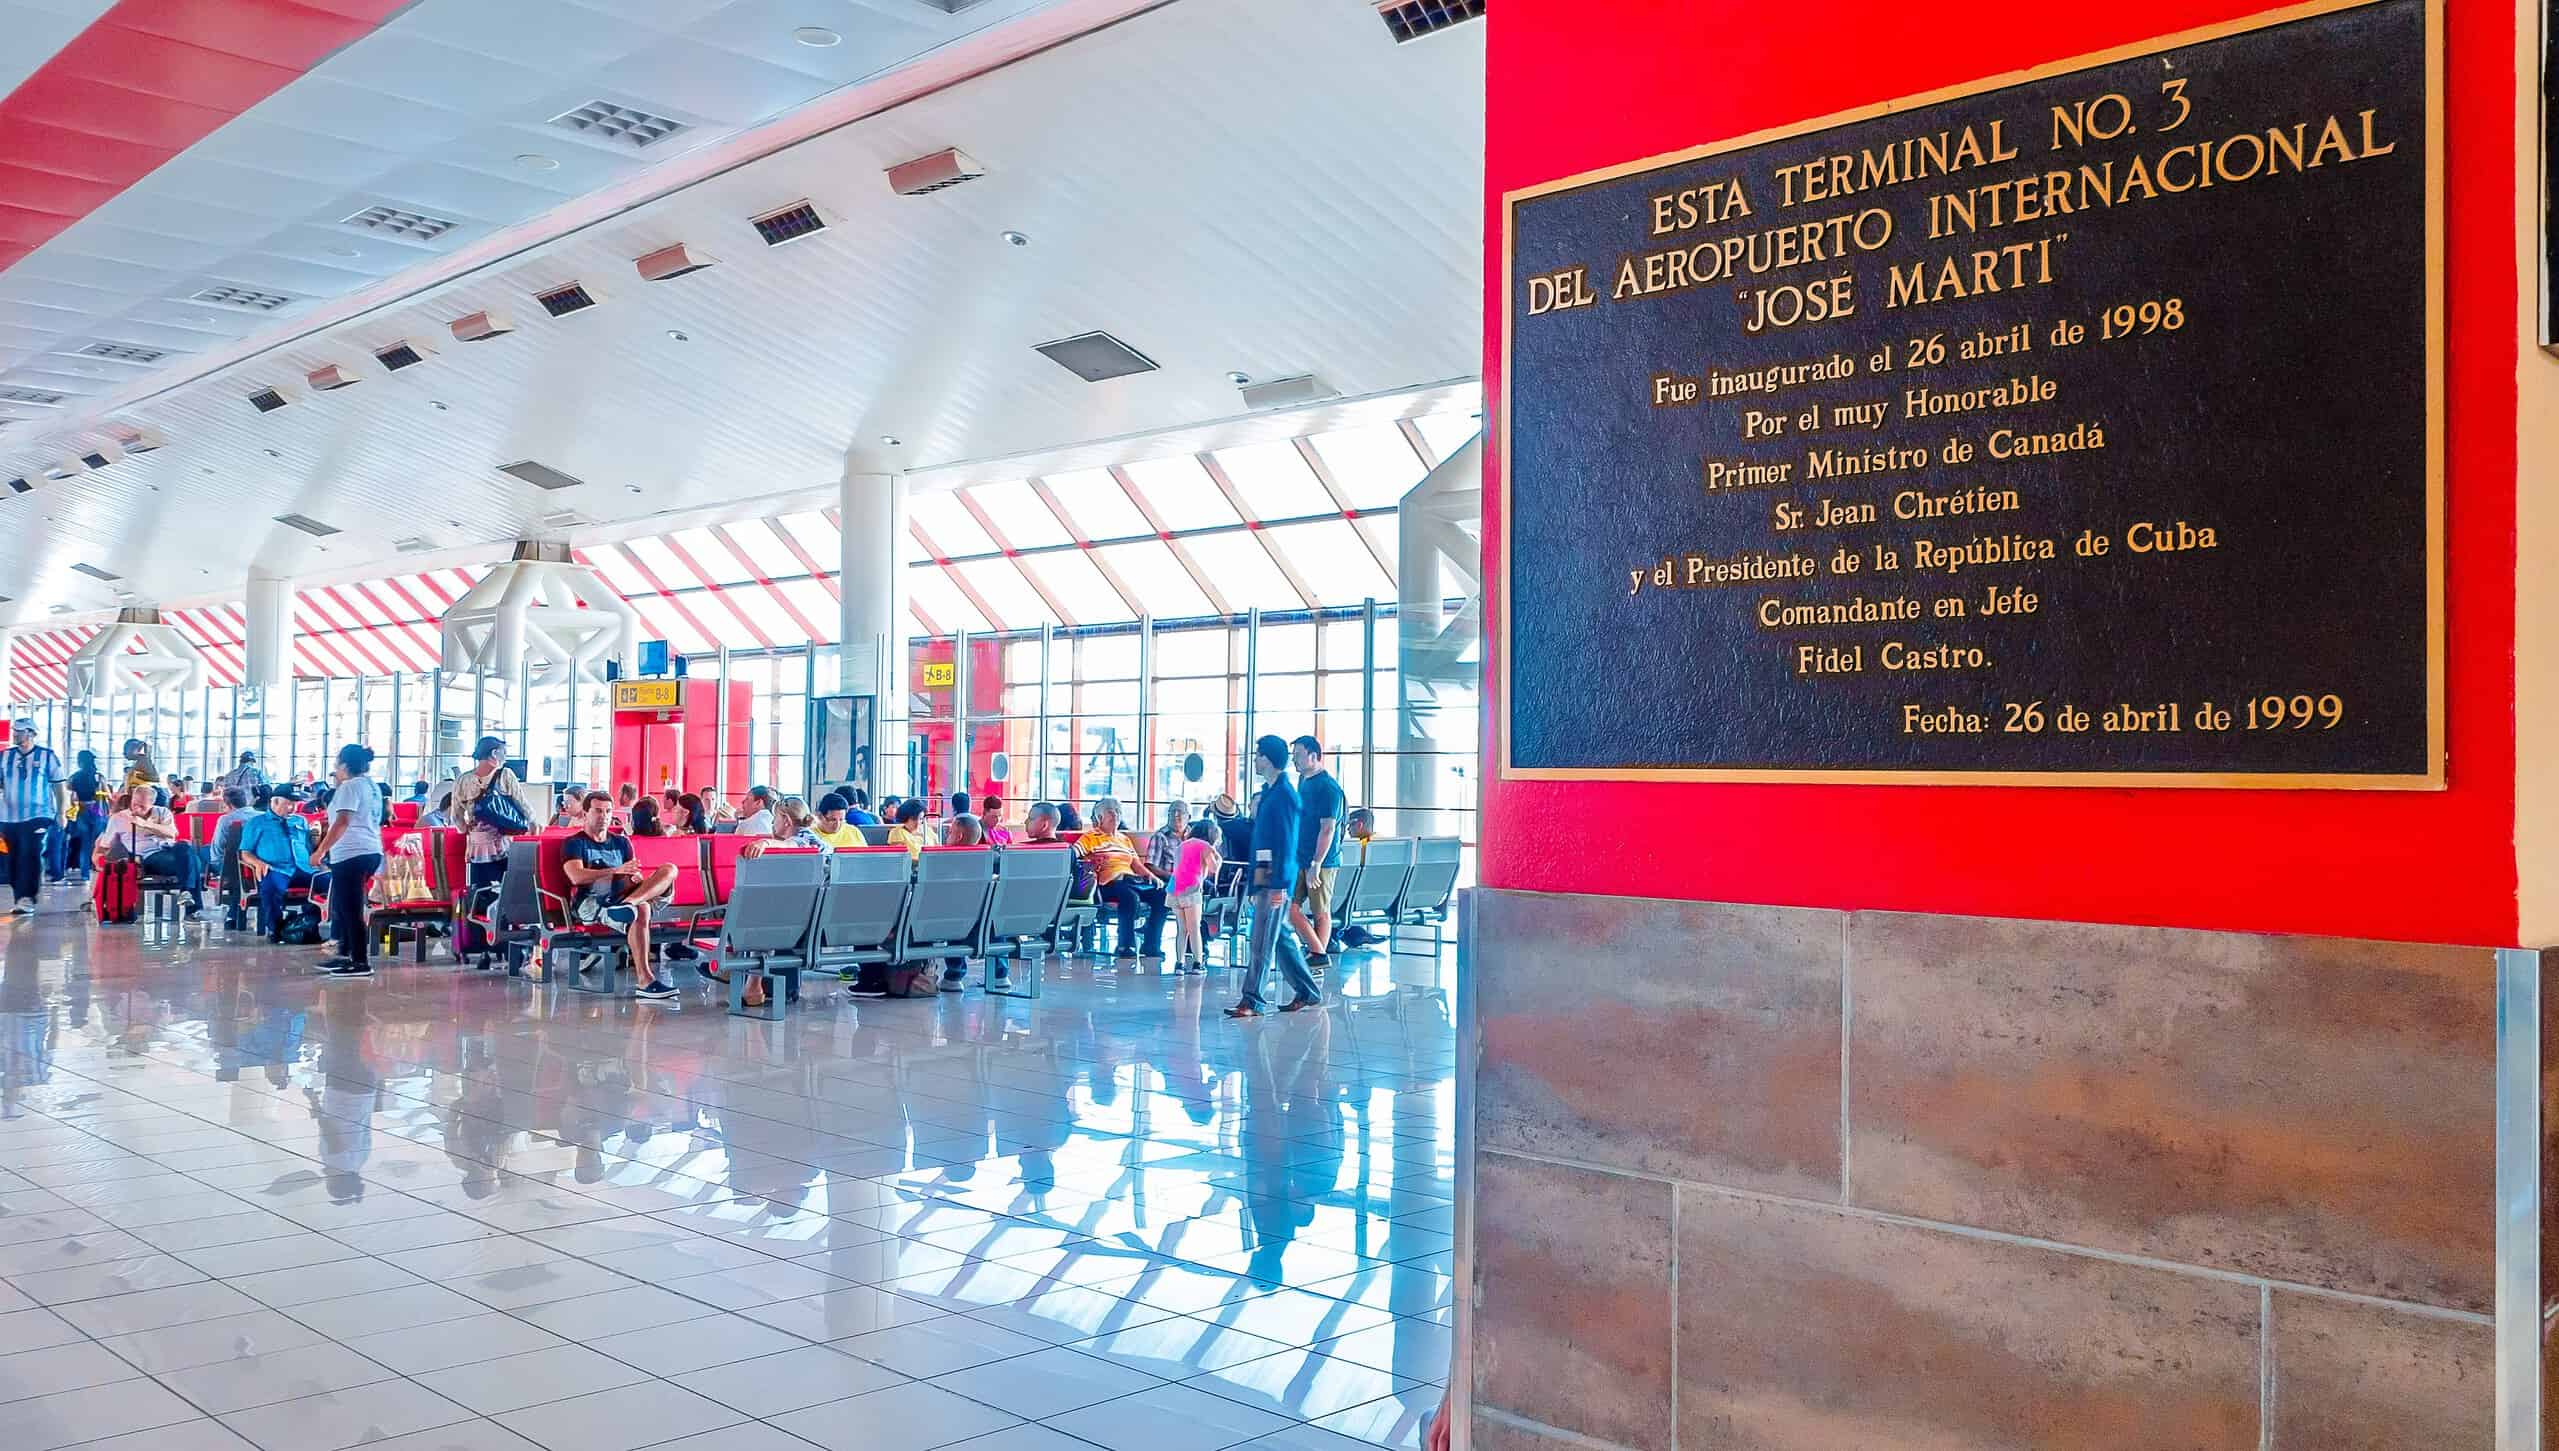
[(565, 519), (36, 397), (927, 174), (122, 353), (135, 440), (789, 224), (93, 572), (674, 261), (1288, 392), (540, 475), (70, 468), (96, 460), (306, 524), (1097, 357), (1413, 19), (247, 299), (406, 225), (398, 356), (481, 326), (21, 486), (561, 301), (330, 379), (267, 400), (621, 125), (418, 545)]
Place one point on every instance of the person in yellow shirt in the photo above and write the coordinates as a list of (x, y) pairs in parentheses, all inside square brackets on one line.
[(831, 826), (1122, 879), (910, 831)]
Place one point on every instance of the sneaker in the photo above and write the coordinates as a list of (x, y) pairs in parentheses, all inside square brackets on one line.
[(955, 984), (332, 964), (866, 992), (23, 909), (352, 969), (1241, 1011), (620, 915), (660, 991)]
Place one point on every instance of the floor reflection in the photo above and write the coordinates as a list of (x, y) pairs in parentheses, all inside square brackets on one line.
[(1111, 1210)]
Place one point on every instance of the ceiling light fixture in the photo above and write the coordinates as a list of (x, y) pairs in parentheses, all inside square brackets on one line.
[(346, 252), (630, 488), (437, 404), (536, 161), (817, 36), (1239, 378), (890, 439), (1017, 239), (679, 335)]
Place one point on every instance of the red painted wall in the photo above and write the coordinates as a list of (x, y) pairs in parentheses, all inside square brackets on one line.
[(1577, 84)]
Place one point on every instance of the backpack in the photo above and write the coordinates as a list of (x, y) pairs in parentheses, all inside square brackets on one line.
[(300, 924), (117, 893)]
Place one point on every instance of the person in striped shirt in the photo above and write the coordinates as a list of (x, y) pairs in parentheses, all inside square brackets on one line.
[(32, 798)]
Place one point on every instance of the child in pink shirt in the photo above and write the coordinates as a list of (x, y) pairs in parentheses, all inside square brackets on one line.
[(1192, 870)]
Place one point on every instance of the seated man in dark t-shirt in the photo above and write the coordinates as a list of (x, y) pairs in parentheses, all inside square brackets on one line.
[(615, 889)]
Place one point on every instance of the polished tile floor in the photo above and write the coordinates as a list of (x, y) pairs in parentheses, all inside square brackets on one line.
[(242, 1206)]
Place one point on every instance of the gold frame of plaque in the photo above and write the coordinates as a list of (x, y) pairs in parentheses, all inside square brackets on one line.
[(2430, 779)]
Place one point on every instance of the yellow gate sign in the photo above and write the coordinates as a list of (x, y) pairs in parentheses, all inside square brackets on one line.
[(940, 673), (645, 695)]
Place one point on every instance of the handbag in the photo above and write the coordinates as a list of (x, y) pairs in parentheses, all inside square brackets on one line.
[(496, 808)]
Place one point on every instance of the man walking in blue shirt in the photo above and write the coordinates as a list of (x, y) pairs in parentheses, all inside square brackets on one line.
[(1274, 865), (32, 798)]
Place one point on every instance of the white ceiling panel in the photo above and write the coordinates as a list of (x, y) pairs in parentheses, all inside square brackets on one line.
[(36, 31), (550, 35), (1336, 234), (397, 65)]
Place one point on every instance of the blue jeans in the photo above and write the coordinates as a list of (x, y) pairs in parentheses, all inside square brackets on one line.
[(1271, 932), (182, 861), (273, 887)]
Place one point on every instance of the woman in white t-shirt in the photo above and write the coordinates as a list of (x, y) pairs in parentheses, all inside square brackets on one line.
[(351, 847)]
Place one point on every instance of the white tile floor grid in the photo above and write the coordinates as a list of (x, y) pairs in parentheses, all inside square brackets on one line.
[(240, 1206)]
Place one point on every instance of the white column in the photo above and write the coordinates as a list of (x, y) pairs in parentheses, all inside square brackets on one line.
[(873, 581), (270, 611), (9, 669)]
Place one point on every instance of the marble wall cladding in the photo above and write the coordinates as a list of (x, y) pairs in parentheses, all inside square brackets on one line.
[(2266, 1105), (2348, 1376), (1805, 1328), (2101, 1186), (1691, 1040), (1572, 1308)]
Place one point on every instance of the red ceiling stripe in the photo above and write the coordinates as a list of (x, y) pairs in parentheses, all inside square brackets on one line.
[(766, 582), (145, 81), (663, 592), (717, 591)]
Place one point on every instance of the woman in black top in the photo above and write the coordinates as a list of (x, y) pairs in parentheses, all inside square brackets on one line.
[(644, 818), (88, 818)]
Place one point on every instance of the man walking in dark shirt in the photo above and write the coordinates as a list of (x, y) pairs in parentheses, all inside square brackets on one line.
[(1275, 819)]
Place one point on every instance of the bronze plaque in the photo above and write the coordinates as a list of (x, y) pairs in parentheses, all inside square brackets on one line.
[(2080, 426)]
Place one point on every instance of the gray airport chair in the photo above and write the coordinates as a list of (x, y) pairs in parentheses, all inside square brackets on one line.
[(1031, 884), (1374, 893), (946, 913), (769, 928), (858, 915), (1424, 899)]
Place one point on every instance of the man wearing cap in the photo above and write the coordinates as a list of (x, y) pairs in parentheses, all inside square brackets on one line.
[(247, 777), (32, 797), (280, 844)]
